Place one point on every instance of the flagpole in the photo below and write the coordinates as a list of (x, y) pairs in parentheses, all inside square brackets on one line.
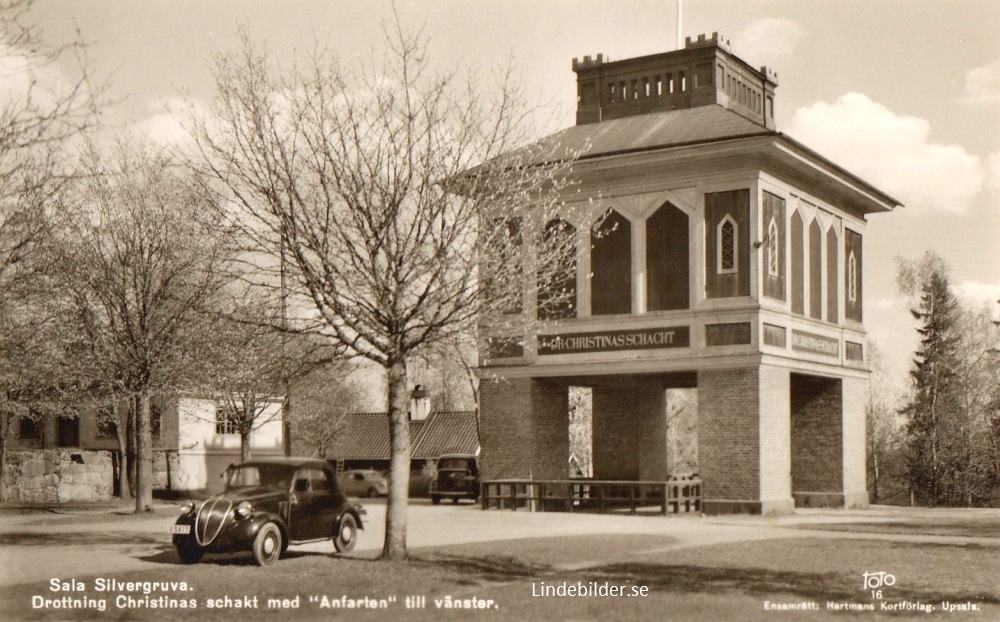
[(680, 41)]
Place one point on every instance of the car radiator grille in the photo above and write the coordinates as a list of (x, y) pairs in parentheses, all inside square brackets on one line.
[(211, 517)]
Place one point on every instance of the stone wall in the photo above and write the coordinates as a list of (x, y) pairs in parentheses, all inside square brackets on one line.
[(58, 476), (61, 475)]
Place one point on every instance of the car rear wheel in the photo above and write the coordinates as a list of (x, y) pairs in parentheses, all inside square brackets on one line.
[(189, 553), (454, 500), (372, 493), (267, 545), (435, 499), (347, 535)]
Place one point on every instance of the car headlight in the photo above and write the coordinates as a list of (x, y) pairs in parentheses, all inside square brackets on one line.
[(187, 507), (243, 510)]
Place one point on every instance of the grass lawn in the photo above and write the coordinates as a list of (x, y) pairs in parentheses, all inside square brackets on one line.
[(718, 582)]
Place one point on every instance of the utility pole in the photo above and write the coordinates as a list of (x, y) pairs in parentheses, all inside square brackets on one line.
[(286, 404)]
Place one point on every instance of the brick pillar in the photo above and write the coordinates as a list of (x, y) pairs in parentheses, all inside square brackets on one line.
[(743, 453), (615, 447), (523, 429), (630, 432), (650, 402), (818, 441), (775, 440), (855, 482)]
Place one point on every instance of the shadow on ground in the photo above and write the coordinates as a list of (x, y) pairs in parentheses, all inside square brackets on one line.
[(78, 538), (692, 578), (971, 528)]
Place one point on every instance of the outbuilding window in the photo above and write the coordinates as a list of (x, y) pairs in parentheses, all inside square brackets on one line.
[(226, 421)]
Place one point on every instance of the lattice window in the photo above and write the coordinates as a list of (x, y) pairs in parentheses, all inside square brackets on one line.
[(727, 238), (852, 278), (772, 249)]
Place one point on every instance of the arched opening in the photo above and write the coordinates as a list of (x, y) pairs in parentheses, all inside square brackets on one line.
[(557, 272), (611, 266), (667, 259)]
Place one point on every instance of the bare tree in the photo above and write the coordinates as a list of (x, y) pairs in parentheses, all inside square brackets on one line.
[(252, 361), (385, 192), (884, 433), (323, 399), (41, 110), (141, 257)]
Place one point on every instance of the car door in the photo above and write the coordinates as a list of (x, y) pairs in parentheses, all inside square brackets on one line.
[(306, 522), (327, 502)]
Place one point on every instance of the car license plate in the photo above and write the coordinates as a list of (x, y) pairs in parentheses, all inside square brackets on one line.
[(181, 529)]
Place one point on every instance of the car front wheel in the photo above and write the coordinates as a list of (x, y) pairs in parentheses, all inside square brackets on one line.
[(267, 545), (435, 499), (347, 535), (189, 553)]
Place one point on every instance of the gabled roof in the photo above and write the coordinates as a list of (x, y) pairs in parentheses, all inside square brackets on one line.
[(455, 432), (365, 436)]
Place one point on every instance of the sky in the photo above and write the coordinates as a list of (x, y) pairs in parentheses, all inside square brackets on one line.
[(905, 94)]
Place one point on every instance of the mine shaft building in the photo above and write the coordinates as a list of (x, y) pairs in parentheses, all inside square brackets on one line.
[(732, 268)]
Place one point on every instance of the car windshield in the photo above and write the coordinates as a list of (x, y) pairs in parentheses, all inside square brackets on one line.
[(266, 475)]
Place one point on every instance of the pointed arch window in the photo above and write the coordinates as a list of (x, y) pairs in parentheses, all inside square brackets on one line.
[(772, 249), (852, 277), (727, 241)]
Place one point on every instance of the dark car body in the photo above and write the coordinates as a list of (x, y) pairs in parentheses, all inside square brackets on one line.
[(267, 505), (457, 477), (364, 483)]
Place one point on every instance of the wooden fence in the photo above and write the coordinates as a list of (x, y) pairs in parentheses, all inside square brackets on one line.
[(673, 496)]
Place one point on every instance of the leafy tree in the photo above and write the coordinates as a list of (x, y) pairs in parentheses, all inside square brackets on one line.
[(382, 193), (142, 258)]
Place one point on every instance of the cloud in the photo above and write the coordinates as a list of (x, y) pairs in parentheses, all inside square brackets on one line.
[(891, 151), (978, 293), (170, 120), (769, 40), (25, 78), (993, 170), (982, 84)]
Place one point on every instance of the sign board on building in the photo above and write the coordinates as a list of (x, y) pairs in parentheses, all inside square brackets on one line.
[(817, 344), (609, 341)]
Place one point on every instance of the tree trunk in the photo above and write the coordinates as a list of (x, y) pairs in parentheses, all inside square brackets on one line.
[(143, 455), (399, 464), (244, 445), (286, 421), (124, 490), (875, 466), (130, 444), (3, 460)]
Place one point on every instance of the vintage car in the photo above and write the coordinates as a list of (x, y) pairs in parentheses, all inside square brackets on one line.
[(267, 505), (457, 477), (364, 483)]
